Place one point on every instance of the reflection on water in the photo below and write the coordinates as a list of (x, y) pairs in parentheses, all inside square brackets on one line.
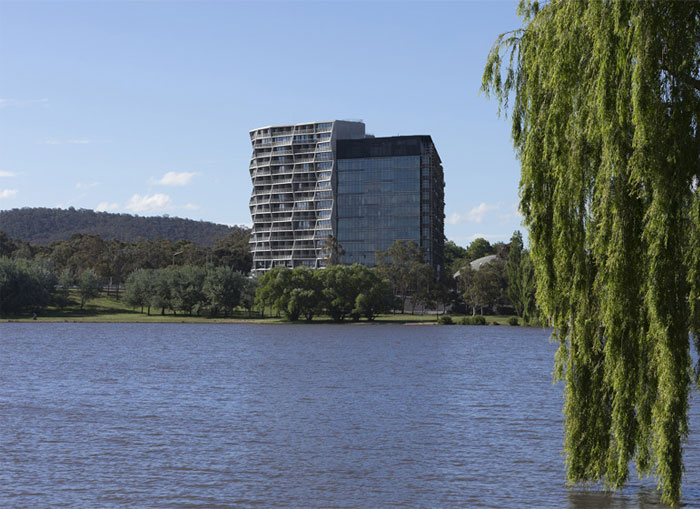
[(237, 415)]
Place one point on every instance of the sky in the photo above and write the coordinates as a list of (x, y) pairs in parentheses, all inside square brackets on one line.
[(146, 107)]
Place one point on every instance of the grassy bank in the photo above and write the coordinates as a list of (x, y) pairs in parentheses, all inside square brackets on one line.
[(109, 309)]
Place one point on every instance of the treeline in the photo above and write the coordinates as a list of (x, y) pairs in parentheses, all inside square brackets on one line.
[(339, 291), (182, 277), (190, 290), (44, 226), (113, 260), (508, 281)]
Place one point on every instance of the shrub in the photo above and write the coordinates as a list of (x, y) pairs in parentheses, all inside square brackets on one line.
[(467, 320), (495, 323), (445, 320), (513, 320), (478, 320)]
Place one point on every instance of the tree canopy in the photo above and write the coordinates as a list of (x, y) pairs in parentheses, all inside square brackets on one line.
[(605, 104)]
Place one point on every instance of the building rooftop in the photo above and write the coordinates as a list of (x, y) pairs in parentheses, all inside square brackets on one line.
[(388, 146)]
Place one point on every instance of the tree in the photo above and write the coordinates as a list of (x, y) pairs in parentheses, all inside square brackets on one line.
[(483, 287), (478, 249), (250, 285), (25, 285), (223, 287), (375, 295), (605, 114), (89, 286), (528, 287), (339, 291), (401, 264), (332, 251), (188, 289), (514, 273), (139, 289)]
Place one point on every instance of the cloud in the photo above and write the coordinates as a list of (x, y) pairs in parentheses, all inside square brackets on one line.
[(106, 206), (192, 206), (149, 203), (72, 141), (172, 178), (8, 193), (511, 214), (4, 173), (475, 215), (83, 185), (19, 103)]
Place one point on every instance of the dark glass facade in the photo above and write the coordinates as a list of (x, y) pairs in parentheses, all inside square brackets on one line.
[(389, 189)]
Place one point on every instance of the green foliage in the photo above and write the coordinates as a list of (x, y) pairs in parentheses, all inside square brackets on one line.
[(89, 286), (44, 225), (478, 249), (513, 321), (341, 291), (482, 288), (248, 290), (24, 286), (139, 289), (454, 256), (478, 320), (222, 288), (445, 320), (375, 295), (402, 265), (188, 289), (605, 122)]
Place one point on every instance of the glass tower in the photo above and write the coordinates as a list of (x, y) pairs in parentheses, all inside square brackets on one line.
[(390, 189)]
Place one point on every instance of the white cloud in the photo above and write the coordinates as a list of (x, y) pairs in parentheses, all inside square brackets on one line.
[(80, 141), (106, 206), (50, 141), (172, 178), (192, 206), (8, 193), (4, 173), (83, 185), (18, 103), (475, 215), (149, 203), (511, 214)]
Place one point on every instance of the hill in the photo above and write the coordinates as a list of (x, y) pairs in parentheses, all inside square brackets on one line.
[(43, 226)]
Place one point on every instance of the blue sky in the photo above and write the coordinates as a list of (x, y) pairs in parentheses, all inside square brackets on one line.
[(145, 107)]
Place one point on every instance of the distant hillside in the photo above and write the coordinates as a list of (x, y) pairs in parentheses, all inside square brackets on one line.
[(43, 226)]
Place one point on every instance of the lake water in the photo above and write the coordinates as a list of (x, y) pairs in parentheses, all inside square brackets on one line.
[(299, 416)]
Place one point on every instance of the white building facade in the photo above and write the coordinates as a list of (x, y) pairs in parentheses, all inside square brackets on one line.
[(294, 174)]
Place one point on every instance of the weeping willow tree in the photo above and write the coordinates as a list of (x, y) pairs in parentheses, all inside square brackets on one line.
[(605, 103)]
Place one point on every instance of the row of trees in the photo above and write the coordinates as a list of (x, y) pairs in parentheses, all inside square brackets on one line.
[(340, 291), (190, 289), (114, 260), (508, 280), (28, 286), (158, 279)]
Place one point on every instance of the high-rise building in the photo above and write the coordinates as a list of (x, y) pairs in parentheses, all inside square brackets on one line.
[(327, 178), (389, 189), (293, 203)]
